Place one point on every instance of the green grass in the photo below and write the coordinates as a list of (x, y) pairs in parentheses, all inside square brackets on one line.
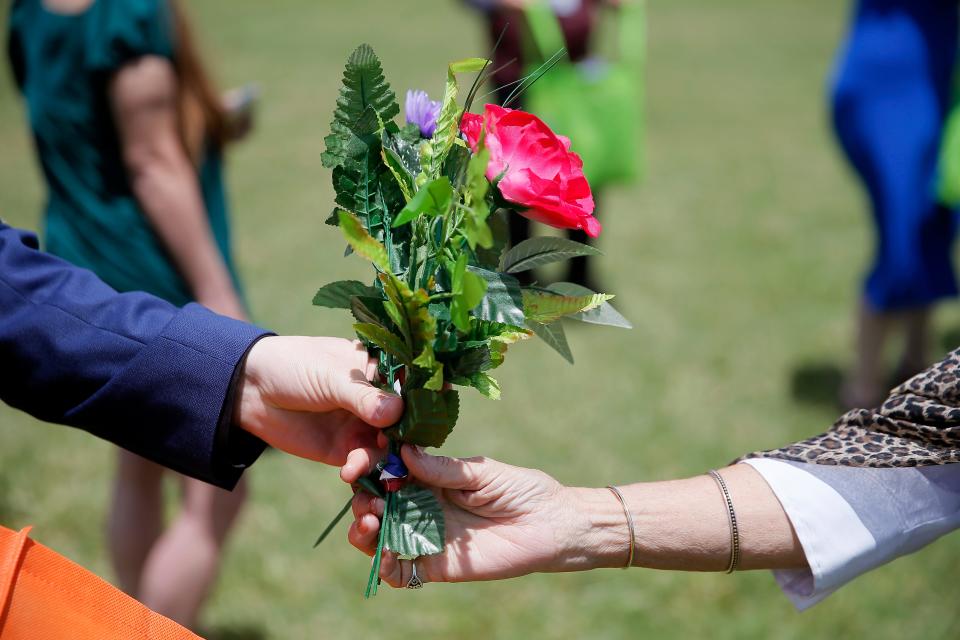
[(738, 260)]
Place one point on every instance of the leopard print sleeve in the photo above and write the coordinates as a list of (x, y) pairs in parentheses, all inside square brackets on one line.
[(917, 425)]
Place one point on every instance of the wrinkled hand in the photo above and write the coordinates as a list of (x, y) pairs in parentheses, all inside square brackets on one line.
[(312, 397), (501, 521)]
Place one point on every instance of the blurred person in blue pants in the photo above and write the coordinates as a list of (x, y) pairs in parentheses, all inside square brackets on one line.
[(891, 95)]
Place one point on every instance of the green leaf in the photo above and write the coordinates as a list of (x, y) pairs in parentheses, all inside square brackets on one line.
[(427, 360), (428, 417), (468, 65), (470, 362), (475, 228), (468, 290), (409, 311), (545, 307), (433, 199), (369, 309), (604, 314), (399, 172), (386, 340), (503, 301), (489, 258), (362, 242), (535, 252), (339, 295), (554, 336), (363, 87), (486, 385), (416, 528), (448, 122)]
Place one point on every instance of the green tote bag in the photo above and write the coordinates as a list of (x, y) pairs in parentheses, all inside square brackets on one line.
[(597, 103)]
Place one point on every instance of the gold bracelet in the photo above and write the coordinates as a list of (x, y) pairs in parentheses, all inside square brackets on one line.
[(734, 529), (626, 512)]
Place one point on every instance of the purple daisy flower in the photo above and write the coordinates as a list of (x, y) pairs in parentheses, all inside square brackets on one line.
[(422, 111)]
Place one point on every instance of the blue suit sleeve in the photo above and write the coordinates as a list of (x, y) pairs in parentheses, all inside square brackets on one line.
[(129, 368)]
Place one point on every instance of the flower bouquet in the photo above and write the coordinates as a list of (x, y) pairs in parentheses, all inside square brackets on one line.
[(426, 204)]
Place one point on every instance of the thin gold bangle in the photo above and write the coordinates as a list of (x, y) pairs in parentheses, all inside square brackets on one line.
[(626, 512), (734, 529)]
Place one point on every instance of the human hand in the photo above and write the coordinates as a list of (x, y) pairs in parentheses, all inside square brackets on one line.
[(501, 521), (312, 397)]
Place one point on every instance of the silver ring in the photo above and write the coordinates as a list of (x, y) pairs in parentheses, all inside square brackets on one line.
[(415, 582)]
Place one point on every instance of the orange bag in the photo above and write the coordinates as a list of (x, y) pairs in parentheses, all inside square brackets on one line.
[(44, 596)]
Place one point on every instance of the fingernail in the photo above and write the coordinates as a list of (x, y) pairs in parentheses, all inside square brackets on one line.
[(417, 450)]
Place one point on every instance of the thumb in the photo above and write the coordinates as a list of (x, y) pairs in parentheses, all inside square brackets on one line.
[(447, 473), (374, 406)]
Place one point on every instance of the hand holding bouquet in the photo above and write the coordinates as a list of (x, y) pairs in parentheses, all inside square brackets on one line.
[(425, 203)]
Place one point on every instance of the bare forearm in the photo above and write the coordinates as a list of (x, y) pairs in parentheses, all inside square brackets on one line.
[(683, 525), (171, 201)]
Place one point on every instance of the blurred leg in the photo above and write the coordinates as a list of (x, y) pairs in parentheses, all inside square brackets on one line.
[(916, 348), (866, 386), (183, 565), (136, 517)]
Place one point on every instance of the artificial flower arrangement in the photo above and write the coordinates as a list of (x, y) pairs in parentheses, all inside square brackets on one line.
[(426, 204)]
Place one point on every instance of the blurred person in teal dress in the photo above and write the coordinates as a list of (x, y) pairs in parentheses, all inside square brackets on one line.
[(129, 133)]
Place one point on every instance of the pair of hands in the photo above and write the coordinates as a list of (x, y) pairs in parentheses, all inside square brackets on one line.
[(313, 398)]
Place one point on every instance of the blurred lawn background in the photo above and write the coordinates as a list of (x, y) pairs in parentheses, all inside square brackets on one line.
[(738, 260)]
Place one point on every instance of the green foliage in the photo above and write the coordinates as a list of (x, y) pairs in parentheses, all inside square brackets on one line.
[(369, 309), (340, 294), (435, 152), (386, 340), (433, 199), (504, 299), (401, 174), (364, 89), (545, 307), (554, 336), (408, 310), (604, 314), (477, 209), (362, 242), (416, 527), (536, 252), (428, 417), (468, 290), (486, 385)]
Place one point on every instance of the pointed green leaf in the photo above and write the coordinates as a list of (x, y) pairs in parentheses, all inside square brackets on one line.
[(545, 307), (468, 65), (433, 199), (475, 228), (535, 252), (604, 314), (468, 290), (486, 385), (362, 242), (417, 527), (369, 309), (428, 417), (503, 301), (428, 361), (338, 295), (448, 122), (363, 87), (554, 336), (409, 310), (385, 339)]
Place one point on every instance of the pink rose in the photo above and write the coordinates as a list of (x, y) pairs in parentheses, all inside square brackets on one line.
[(541, 173)]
